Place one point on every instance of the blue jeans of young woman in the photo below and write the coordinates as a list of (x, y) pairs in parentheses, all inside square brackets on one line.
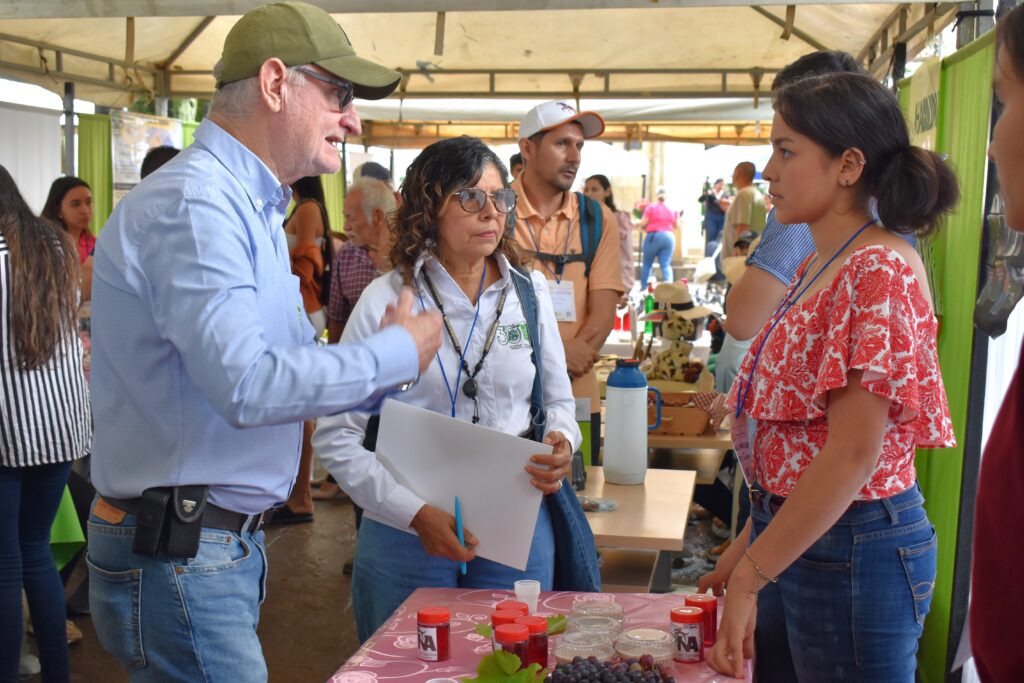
[(391, 564), (29, 498), (661, 245), (853, 606), (176, 619)]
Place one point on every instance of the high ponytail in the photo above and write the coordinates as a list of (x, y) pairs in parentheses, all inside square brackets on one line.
[(915, 191), (915, 188)]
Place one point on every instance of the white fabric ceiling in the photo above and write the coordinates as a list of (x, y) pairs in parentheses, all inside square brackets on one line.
[(624, 48)]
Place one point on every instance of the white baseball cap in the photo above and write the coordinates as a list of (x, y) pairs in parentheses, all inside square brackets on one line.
[(553, 114)]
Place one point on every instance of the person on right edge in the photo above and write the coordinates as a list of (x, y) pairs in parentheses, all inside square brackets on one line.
[(585, 280), (844, 384), (997, 594)]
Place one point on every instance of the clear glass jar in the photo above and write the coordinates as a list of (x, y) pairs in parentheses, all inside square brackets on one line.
[(584, 645), (598, 608), (646, 641), (606, 627)]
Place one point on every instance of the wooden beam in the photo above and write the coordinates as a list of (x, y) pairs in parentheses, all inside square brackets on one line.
[(787, 30), (802, 35), (439, 34), (180, 50), (41, 45), (877, 35)]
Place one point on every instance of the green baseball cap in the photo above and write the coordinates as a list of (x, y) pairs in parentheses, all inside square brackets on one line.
[(298, 33)]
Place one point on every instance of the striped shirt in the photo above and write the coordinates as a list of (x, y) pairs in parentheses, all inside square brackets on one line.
[(782, 248), (44, 413)]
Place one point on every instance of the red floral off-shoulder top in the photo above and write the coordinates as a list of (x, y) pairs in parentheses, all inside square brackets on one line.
[(872, 317)]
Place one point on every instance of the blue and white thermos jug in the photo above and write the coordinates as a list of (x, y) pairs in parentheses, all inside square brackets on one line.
[(625, 431)]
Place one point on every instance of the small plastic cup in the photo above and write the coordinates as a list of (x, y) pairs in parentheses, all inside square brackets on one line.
[(528, 591)]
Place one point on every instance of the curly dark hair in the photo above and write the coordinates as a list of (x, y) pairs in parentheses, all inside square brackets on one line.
[(442, 168)]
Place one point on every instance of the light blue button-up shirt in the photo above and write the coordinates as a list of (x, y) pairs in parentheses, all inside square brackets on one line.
[(203, 361)]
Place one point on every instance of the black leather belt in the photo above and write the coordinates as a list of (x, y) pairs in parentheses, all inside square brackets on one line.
[(214, 517), (758, 496)]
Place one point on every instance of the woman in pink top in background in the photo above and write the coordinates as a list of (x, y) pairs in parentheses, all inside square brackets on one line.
[(659, 222)]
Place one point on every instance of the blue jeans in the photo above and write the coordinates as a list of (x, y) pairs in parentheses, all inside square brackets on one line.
[(713, 224), (662, 245), (176, 619), (29, 498), (391, 564), (853, 606)]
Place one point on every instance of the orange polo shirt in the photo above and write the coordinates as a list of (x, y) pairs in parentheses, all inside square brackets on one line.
[(534, 234)]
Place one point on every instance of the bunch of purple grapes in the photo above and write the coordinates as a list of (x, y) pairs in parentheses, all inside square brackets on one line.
[(633, 670)]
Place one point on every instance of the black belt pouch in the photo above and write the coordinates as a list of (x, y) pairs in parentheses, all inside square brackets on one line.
[(186, 520), (151, 521)]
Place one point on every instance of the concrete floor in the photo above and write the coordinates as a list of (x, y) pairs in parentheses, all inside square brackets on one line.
[(306, 622)]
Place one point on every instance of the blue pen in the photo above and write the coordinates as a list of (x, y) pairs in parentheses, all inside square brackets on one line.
[(458, 530)]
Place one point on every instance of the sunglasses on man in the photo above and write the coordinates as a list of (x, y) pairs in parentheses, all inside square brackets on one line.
[(346, 91), (472, 200)]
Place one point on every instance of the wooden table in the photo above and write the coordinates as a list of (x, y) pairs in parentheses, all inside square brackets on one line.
[(703, 453), (648, 524), (389, 656)]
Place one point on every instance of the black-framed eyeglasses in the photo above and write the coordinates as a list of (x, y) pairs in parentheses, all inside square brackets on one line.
[(472, 200), (346, 91)]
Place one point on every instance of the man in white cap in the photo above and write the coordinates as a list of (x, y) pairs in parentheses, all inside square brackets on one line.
[(204, 364), (573, 240)]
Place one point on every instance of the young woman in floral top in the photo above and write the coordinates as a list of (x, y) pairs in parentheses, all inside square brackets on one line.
[(843, 385)]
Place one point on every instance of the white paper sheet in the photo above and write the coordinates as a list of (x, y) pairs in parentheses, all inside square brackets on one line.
[(438, 457)]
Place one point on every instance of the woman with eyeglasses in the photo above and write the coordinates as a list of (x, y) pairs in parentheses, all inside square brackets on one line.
[(452, 247)]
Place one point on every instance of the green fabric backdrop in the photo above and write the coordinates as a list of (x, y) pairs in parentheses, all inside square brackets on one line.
[(964, 111), (66, 537), (95, 168), (188, 133), (94, 165), (334, 196)]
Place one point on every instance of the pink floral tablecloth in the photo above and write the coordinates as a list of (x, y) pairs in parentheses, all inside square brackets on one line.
[(390, 654)]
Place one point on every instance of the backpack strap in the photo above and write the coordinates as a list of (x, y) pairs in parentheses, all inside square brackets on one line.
[(591, 219), (528, 300)]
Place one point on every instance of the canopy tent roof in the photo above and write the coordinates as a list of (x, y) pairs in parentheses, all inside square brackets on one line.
[(466, 49)]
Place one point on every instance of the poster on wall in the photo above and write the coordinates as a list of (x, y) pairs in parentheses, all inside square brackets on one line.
[(131, 136), (924, 128)]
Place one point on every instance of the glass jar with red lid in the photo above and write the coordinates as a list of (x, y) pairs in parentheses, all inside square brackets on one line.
[(537, 647), (514, 638), (433, 633)]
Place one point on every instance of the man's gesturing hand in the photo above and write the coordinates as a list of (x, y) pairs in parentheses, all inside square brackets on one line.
[(424, 327)]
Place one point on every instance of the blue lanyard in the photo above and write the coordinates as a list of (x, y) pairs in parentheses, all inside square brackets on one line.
[(565, 250), (453, 395), (783, 308)]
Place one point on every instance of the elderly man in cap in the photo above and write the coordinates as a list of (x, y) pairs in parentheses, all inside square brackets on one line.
[(204, 366), (574, 241)]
